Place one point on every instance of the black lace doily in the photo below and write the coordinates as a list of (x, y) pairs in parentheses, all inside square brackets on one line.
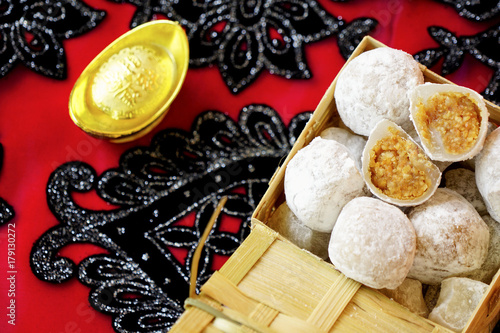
[(483, 46), (6, 211), (475, 10), (180, 176), (32, 33), (243, 38)]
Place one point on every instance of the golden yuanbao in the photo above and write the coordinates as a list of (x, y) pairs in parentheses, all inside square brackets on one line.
[(128, 88)]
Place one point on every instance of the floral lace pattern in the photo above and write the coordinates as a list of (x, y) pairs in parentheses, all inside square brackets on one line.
[(32, 33), (180, 177), (482, 46), (475, 10), (243, 38)]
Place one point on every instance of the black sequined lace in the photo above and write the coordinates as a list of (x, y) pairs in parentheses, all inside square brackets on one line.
[(483, 46), (244, 38), (179, 176), (32, 32)]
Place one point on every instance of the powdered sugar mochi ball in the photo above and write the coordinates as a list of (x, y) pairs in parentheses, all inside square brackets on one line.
[(492, 262), (319, 180), (463, 181), (488, 173), (374, 86), (353, 142), (373, 242), (452, 238)]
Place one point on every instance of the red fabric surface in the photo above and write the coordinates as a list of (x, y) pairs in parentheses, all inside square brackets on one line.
[(38, 136)]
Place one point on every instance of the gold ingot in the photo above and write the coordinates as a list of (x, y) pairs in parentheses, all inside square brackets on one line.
[(128, 87)]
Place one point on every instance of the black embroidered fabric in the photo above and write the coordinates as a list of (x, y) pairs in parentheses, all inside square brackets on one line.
[(483, 46), (141, 283), (243, 38), (475, 10), (32, 32)]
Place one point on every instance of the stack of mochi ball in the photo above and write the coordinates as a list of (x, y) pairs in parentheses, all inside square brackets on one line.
[(404, 196)]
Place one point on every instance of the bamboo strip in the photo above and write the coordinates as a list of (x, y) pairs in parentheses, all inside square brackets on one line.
[(287, 324), (370, 311), (201, 244), (247, 254), (333, 303), (264, 314), (289, 279), (223, 291), (282, 324), (197, 320), (246, 321), (212, 329), (440, 329)]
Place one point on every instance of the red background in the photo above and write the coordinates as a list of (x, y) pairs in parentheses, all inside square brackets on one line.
[(38, 135)]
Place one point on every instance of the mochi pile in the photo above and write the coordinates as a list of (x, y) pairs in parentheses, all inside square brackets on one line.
[(406, 197)]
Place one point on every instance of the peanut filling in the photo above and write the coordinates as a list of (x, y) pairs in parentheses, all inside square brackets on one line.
[(454, 116), (397, 167)]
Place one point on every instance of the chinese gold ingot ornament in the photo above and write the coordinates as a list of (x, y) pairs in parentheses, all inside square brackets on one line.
[(127, 89)]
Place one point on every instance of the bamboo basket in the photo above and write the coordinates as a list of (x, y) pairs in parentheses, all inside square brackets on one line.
[(271, 285)]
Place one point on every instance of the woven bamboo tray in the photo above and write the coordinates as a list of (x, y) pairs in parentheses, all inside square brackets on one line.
[(271, 285)]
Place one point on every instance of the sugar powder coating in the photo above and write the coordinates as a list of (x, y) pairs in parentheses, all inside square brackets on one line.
[(319, 180), (488, 174), (374, 86), (452, 239), (373, 243)]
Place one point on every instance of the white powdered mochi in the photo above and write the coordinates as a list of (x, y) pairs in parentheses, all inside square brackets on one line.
[(373, 243), (409, 294), (289, 226), (319, 180), (354, 143), (463, 181), (452, 238), (492, 263), (488, 173), (457, 301), (374, 86)]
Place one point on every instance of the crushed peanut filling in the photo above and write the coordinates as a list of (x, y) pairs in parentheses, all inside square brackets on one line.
[(396, 167), (454, 116)]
